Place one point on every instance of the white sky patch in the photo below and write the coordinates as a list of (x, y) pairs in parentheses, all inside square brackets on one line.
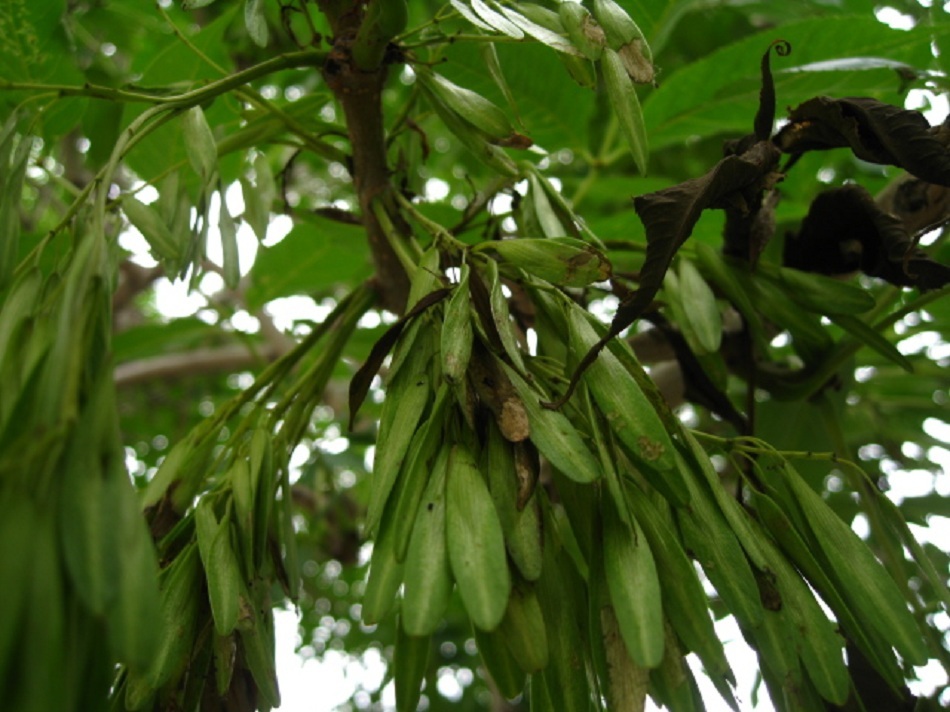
[(935, 106), (604, 309), (531, 337), (132, 241), (500, 204), (937, 429), (918, 342), (309, 685), (244, 322), (286, 310), (370, 320), (448, 685), (277, 230), (931, 676), (436, 190), (894, 18), (246, 240), (175, 300)]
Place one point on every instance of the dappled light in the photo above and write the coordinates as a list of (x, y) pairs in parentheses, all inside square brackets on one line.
[(446, 355)]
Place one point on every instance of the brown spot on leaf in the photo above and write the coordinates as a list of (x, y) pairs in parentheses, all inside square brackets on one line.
[(514, 140), (639, 68), (527, 470), (650, 449)]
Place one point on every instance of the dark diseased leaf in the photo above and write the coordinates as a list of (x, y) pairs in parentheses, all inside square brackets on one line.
[(735, 183), (766, 114), (846, 231), (875, 132), (741, 184)]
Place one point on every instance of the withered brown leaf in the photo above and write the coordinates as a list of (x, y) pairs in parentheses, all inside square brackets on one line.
[(846, 231), (875, 132), (737, 184)]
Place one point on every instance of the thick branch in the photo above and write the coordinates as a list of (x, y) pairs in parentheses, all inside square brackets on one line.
[(203, 361), (189, 363), (133, 279), (360, 95)]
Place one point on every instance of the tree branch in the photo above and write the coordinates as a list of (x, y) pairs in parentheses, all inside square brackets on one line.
[(190, 363), (201, 361), (360, 94), (133, 279)]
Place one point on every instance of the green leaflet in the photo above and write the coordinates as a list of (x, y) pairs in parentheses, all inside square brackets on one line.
[(385, 576), (258, 639), (634, 588), (499, 661), (626, 106), (44, 640), (422, 458), (256, 22), (522, 529), (524, 630), (864, 582), (470, 106), (872, 338), (166, 247), (222, 570), (712, 540), (564, 261), (820, 293), (180, 596), (457, 331), (819, 644), (200, 143), (699, 307), (230, 257), (630, 414), (555, 436), (406, 400), (410, 661), (428, 578), (501, 316), (13, 163), (683, 595), (475, 541), (18, 518), (584, 32), (561, 593)]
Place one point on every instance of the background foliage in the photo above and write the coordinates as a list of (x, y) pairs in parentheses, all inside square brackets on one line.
[(214, 144)]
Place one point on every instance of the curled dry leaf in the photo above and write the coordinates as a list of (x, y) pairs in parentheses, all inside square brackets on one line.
[(846, 231), (875, 132), (735, 183), (738, 184)]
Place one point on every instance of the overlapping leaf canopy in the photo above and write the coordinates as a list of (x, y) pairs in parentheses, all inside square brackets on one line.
[(523, 182)]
